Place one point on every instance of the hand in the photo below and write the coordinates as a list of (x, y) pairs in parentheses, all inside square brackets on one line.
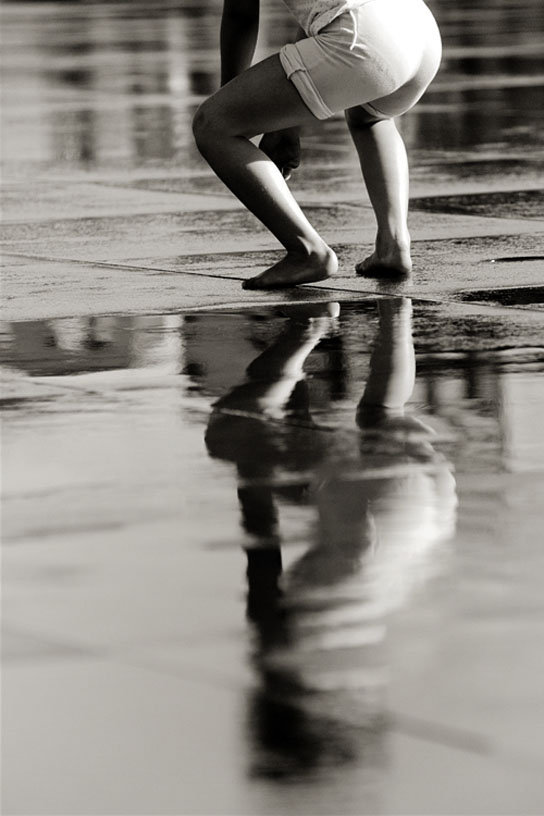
[(283, 147)]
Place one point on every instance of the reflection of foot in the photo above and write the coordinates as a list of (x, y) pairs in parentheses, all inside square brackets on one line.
[(295, 269), (284, 360), (303, 312), (393, 260)]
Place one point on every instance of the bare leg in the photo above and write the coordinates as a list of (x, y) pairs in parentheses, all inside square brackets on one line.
[(385, 170), (262, 100)]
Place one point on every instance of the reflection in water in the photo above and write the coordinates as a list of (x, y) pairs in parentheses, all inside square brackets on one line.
[(94, 344), (383, 499), (330, 601)]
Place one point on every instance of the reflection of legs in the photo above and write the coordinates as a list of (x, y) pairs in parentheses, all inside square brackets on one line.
[(385, 170), (264, 595), (285, 358), (274, 374), (262, 100), (392, 364)]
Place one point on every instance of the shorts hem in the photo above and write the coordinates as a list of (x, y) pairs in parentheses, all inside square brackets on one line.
[(377, 114), (297, 73)]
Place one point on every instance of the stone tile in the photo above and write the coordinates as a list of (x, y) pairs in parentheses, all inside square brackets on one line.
[(463, 263), (457, 782), (468, 674), (18, 391), (46, 201), (513, 204), (174, 234), (444, 267), (120, 238), (22, 646), (42, 288), (105, 738), (219, 659), (110, 584)]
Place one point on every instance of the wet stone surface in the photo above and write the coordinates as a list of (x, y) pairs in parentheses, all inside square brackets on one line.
[(512, 296), (516, 204), (292, 523)]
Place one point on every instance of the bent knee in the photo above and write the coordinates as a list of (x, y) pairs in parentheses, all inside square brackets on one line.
[(205, 125), (209, 124)]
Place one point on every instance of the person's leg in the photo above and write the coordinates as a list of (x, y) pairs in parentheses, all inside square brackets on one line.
[(385, 170), (262, 100)]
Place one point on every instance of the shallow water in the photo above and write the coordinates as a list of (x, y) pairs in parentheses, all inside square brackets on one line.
[(331, 556)]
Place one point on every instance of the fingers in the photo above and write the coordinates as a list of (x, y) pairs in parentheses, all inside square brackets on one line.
[(283, 149), (287, 170), (287, 167)]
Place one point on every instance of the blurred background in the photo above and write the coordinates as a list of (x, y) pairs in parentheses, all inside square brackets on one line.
[(99, 85)]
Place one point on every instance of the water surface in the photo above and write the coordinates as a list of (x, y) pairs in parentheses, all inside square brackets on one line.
[(315, 530)]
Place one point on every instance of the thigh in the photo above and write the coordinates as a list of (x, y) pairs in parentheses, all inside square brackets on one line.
[(260, 100)]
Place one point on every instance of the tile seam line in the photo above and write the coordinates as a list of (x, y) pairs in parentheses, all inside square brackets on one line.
[(449, 298), (421, 730), (439, 297), (204, 211), (353, 295), (112, 264), (347, 205), (366, 292), (349, 296)]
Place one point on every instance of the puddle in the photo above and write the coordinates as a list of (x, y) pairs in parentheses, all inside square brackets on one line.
[(509, 296), (515, 204), (320, 509)]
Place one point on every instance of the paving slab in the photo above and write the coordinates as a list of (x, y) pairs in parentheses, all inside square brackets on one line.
[(107, 239), (504, 204), (46, 274), (37, 288), (48, 201)]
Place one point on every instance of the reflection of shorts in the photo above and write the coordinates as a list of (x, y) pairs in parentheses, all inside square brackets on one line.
[(381, 56)]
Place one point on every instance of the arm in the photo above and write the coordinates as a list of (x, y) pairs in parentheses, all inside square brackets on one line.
[(283, 146), (239, 30)]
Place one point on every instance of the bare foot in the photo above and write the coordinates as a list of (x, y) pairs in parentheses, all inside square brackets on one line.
[(295, 269), (393, 261)]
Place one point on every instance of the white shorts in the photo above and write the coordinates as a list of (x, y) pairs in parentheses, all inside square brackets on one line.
[(381, 56)]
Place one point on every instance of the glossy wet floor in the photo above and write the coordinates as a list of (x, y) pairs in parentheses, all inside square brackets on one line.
[(275, 561)]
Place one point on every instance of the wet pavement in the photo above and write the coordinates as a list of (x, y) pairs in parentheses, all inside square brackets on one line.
[(280, 563), (267, 553)]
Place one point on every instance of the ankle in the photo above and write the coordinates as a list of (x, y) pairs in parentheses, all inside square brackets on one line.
[(315, 251), (392, 241)]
